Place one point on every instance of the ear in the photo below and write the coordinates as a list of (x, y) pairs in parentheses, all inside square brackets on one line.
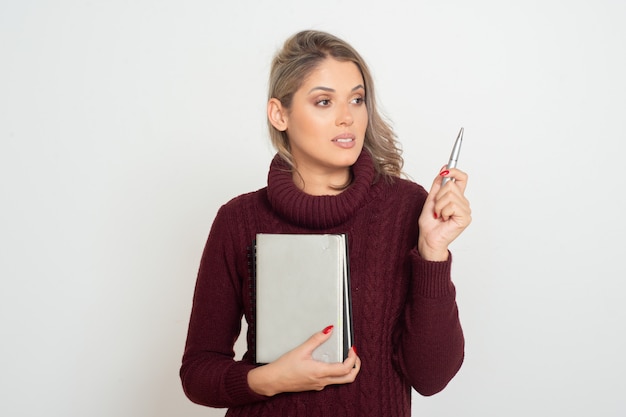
[(277, 114)]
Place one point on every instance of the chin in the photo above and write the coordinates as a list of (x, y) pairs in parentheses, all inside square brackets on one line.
[(345, 161), (350, 159)]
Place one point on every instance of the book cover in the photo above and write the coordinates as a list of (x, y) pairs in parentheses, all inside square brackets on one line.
[(302, 286)]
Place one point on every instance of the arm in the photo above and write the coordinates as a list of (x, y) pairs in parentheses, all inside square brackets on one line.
[(431, 341), (431, 345), (209, 374), (297, 371)]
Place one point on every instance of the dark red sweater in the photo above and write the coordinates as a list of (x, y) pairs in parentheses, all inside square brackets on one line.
[(406, 325)]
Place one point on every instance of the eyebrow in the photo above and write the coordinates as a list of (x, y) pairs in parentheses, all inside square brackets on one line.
[(332, 90)]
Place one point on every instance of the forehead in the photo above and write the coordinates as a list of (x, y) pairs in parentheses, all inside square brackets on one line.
[(334, 74)]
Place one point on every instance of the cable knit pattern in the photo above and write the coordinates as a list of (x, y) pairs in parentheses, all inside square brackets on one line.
[(318, 212), (406, 324)]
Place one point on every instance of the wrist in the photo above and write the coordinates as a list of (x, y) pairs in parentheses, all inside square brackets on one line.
[(261, 382), (431, 254)]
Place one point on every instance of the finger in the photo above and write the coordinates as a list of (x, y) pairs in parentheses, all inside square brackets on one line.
[(317, 339), (448, 211), (460, 178), (436, 185), (450, 200), (352, 357), (434, 190), (348, 371), (454, 206), (351, 361), (341, 369), (452, 189)]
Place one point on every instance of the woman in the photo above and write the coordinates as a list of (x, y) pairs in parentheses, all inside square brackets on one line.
[(337, 170)]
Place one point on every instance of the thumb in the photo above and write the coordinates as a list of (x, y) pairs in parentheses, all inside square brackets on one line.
[(429, 204), (438, 180), (434, 188), (317, 339)]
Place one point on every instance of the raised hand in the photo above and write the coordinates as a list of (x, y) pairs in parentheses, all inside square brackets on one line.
[(445, 215)]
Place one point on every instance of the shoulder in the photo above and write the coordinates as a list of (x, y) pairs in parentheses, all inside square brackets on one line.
[(236, 209), (230, 230), (400, 196), (405, 189), (408, 184), (243, 201)]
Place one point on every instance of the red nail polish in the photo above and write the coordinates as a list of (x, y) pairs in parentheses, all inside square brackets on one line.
[(328, 329), (354, 349), (444, 173), (435, 215)]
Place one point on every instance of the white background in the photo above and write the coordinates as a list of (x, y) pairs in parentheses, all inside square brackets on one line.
[(124, 125)]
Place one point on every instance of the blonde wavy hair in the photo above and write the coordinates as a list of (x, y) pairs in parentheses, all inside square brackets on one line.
[(299, 56)]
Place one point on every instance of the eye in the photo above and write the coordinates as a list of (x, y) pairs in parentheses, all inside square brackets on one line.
[(358, 100), (323, 102)]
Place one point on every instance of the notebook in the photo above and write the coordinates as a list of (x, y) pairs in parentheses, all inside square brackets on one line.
[(302, 285)]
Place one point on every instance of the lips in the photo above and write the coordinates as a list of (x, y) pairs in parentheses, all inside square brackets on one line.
[(344, 138), (345, 141)]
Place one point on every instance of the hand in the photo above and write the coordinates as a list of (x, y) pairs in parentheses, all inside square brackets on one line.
[(297, 371), (445, 215)]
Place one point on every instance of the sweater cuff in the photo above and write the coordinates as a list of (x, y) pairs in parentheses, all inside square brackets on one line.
[(432, 279), (237, 382)]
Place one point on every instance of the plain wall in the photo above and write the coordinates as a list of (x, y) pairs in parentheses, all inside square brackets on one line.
[(124, 125)]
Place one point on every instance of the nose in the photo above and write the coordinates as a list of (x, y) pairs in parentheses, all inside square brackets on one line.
[(344, 116)]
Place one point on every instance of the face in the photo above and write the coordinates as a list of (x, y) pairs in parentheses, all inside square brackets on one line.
[(327, 120)]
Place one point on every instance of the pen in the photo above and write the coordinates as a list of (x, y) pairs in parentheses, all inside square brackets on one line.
[(454, 156)]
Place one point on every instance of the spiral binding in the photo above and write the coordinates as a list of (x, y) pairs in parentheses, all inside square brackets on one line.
[(251, 255)]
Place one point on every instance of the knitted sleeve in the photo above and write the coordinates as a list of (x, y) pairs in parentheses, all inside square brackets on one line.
[(210, 375), (431, 345)]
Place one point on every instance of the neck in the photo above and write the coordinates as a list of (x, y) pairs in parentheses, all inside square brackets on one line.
[(322, 183), (329, 209)]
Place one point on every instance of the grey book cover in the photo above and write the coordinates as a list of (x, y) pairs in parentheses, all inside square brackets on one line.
[(302, 286)]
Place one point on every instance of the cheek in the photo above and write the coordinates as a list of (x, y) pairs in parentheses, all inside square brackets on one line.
[(308, 127), (363, 119), (308, 122)]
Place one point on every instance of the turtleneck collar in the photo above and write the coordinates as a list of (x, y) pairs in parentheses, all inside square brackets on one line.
[(320, 212)]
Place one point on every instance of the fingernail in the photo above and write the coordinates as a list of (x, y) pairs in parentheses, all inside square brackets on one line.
[(444, 173), (327, 329), (354, 349), (435, 215)]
